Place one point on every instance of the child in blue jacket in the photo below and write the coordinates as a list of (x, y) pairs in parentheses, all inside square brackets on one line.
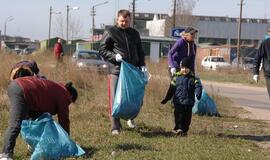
[(183, 88)]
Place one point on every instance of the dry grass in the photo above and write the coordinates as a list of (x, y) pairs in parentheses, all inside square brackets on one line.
[(209, 137)]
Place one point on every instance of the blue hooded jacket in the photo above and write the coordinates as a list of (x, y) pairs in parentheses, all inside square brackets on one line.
[(183, 89)]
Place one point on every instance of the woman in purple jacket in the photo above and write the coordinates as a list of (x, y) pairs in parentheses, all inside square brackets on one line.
[(183, 47)]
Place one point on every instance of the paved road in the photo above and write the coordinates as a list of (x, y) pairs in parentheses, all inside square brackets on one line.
[(253, 97)]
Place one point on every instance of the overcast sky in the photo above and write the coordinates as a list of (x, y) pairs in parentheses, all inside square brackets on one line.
[(31, 17)]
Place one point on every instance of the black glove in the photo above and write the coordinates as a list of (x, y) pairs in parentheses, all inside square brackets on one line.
[(164, 101)]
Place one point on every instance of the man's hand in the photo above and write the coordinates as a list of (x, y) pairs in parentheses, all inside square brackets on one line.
[(118, 57), (256, 78), (164, 101), (62, 54), (173, 71), (143, 69)]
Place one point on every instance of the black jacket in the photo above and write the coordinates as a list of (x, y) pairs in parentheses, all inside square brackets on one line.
[(126, 42), (263, 54), (183, 89)]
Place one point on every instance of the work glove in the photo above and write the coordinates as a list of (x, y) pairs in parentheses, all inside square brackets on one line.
[(143, 69), (164, 101), (118, 57), (256, 78), (173, 71)]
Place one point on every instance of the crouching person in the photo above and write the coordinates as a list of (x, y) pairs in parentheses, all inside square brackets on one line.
[(183, 88), (30, 97)]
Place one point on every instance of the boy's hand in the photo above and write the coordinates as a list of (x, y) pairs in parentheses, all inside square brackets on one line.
[(173, 71), (164, 101)]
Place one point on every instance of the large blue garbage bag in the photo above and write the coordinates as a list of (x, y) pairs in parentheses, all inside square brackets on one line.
[(129, 94), (205, 106), (48, 139)]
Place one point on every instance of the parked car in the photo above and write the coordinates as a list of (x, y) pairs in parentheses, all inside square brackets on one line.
[(89, 59), (28, 51), (247, 63), (214, 62)]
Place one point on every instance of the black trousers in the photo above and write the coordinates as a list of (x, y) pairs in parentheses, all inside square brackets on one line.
[(182, 117)]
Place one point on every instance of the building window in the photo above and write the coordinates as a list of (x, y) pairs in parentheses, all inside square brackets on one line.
[(264, 21), (137, 15), (212, 18), (244, 20), (233, 20), (207, 19), (217, 19), (202, 18), (223, 19), (253, 20), (146, 15)]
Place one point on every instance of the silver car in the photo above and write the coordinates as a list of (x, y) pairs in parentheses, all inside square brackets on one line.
[(89, 59)]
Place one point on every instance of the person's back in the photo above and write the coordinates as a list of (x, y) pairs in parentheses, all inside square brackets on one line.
[(43, 95)]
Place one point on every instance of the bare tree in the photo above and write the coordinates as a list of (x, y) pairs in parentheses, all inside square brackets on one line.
[(75, 27), (59, 26), (183, 14)]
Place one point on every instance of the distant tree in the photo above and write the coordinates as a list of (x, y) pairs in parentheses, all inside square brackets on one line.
[(183, 14), (59, 26), (75, 27)]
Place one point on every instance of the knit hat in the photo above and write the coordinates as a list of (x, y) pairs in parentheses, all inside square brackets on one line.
[(73, 92), (190, 30), (24, 68), (186, 62)]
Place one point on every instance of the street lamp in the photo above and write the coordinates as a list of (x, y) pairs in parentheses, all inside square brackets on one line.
[(50, 22), (10, 18), (93, 13), (70, 8)]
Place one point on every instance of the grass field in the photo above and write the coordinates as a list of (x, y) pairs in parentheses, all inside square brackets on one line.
[(214, 138)]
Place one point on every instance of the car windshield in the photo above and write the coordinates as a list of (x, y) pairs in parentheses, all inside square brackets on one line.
[(88, 55), (218, 59)]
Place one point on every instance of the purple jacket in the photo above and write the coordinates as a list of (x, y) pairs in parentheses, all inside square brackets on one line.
[(179, 51)]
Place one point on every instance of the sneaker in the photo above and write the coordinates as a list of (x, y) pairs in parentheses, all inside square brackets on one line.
[(4, 156), (115, 132), (178, 131), (131, 124)]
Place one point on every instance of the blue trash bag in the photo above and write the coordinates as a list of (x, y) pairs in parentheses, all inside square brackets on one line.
[(129, 94), (48, 139), (205, 106)]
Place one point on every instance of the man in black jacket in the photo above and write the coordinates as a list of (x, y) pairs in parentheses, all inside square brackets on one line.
[(120, 42), (263, 55)]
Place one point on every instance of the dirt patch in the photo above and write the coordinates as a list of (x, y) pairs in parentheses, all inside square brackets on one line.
[(259, 114), (256, 114)]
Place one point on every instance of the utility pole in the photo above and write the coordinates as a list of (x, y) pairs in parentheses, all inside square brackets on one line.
[(67, 22), (174, 13), (133, 13), (93, 14), (239, 35), (50, 22)]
